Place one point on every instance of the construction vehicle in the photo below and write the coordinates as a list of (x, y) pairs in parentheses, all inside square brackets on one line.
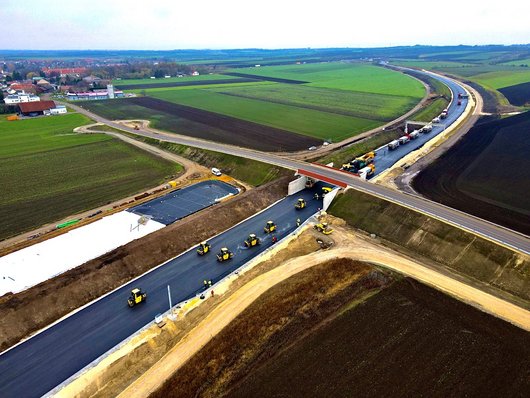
[(270, 227), (204, 247), (136, 297), (393, 144), (224, 255), (252, 241), (300, 204), (323, 228), (367, 171), (326, 190)]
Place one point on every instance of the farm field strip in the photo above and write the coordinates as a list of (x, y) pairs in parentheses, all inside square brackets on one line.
[(48, 171), (185, 79), (501, 79), (348, 76), (313, 123), (183, 84), (350, 103)]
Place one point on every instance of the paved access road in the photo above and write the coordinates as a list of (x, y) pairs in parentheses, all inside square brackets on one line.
[(36, 366)]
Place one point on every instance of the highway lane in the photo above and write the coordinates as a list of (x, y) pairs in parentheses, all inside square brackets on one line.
[(36, 366), (386, 158)]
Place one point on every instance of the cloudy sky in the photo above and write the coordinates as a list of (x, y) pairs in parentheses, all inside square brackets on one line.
[(177, 24)]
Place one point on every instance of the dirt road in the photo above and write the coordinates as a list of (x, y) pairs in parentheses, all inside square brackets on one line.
[(349, 245)]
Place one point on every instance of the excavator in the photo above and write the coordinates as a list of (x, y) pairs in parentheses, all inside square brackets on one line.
[(204, 247), (270, 227), (224, 255), (323, 228), (252, 241), (136, 297), (300, 204)]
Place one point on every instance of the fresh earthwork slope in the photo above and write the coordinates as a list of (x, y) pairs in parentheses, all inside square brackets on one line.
[(442, 244), (487, 174), (324, 102), (49, 172)]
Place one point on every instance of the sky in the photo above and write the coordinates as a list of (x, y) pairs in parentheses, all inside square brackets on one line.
[(224, 24)]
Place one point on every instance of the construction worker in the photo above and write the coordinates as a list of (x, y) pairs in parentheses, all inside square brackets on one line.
[(316, 195), (274, 239), (298, 222)]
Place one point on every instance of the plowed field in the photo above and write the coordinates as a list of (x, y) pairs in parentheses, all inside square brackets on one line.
[(407, 341), (486, 174), (518, 94)]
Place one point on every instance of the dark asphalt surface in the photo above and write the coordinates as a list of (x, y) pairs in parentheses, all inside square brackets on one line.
[(386, 158), (38, 365), (178, 204)]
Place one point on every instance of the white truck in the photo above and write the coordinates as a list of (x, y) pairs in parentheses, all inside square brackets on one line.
[(426, 129), (403, 140), (393, 144), (415, 134)]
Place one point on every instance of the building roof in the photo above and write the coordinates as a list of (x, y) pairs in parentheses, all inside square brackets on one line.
[(23, 86), (38, 106)]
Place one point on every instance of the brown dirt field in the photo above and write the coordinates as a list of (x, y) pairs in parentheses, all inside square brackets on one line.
[(408, 340), (25, 313), (238, 132), (283, 313)]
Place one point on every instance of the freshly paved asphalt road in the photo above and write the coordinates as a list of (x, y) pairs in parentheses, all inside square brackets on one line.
[(36, 366), (181, 203)]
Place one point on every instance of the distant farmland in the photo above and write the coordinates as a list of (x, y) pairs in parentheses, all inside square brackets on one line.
[(48, 172), (324, 102)]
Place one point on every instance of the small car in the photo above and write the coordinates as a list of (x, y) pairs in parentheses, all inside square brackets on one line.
[(216, 172)]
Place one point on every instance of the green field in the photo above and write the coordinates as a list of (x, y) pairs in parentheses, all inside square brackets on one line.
[(49, 172), (346, 76), (500, 79), (300, 120), (341, 100), (519, 62), (350, 103)]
